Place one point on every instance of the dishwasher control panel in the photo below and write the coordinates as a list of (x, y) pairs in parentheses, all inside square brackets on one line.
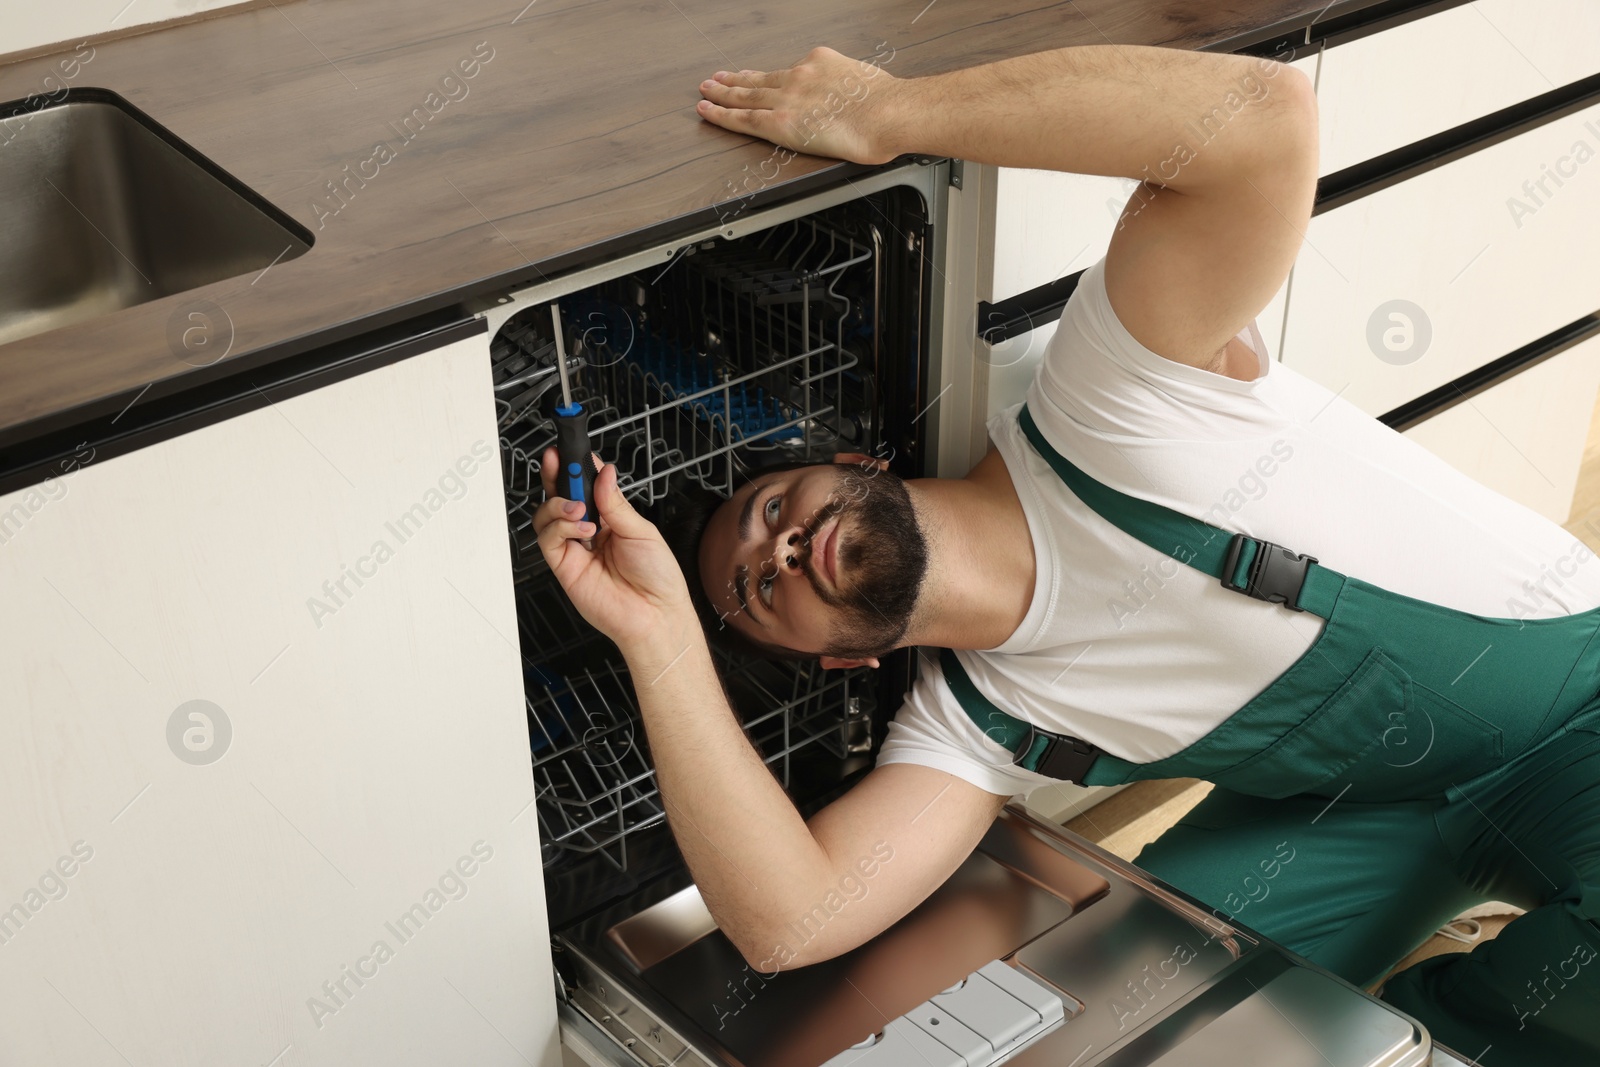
[(980, 1020)]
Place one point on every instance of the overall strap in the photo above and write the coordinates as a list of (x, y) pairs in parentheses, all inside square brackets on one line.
[(1056, 755), (1247, 565)]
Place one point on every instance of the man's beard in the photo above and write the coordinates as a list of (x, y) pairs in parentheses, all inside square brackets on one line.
[(881, 567)]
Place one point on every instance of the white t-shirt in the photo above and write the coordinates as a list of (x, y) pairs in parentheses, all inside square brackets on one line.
[(1141, 655)]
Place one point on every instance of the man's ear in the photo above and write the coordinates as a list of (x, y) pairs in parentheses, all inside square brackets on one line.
[(832, 662), (861, 459)]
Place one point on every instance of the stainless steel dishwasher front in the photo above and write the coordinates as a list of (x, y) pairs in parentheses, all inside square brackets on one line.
[(1150, 976)]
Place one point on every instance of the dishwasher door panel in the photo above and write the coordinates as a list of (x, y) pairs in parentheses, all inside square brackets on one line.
[(769, 1017)]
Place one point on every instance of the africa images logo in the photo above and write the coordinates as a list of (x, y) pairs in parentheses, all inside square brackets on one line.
[(199, 732)]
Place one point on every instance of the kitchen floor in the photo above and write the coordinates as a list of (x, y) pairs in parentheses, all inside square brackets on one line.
[(1133, 817)]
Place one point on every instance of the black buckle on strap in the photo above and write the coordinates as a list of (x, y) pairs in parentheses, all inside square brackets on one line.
[(1067, 758), (1276, 574)]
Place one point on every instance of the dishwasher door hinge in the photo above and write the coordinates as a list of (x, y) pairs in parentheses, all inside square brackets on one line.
[(955, 173)]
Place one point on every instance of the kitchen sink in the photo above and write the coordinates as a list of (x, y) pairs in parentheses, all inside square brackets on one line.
[(105, 209)]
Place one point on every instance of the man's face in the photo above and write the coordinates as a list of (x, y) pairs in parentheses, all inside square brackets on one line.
[(826, 559)]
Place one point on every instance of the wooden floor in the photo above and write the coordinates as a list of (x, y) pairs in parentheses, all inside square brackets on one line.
[(1133, 817)]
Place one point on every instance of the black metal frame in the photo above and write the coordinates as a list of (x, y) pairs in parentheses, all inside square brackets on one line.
[(1491, 374)]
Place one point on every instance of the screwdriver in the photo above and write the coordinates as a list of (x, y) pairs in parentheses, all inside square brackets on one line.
[(572, 434)]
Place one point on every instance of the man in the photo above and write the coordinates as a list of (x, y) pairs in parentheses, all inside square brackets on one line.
[(1074, 572)]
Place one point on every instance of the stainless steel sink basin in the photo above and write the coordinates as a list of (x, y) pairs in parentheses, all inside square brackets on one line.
[(104, 209)]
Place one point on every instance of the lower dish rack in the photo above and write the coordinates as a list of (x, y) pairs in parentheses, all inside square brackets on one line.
[(595, 785)]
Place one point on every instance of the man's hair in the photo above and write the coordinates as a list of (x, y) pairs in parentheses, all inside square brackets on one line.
[(683, 525)]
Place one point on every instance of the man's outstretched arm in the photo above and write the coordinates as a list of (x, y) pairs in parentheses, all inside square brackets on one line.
[(785, 891), (1226, 147)]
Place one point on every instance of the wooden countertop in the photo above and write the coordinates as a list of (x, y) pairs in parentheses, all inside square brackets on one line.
[(577, 130)]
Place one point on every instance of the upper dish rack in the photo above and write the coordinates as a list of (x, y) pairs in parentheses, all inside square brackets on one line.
[(736, 354)]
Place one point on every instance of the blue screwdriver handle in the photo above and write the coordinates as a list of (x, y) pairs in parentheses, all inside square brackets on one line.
[(575, 479)]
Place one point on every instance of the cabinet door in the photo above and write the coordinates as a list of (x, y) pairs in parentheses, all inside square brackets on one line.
[(1387, 90), (1524, 437), (1407, 289), (265, 763)]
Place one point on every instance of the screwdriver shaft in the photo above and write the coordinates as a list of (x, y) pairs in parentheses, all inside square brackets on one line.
[(561, 356)]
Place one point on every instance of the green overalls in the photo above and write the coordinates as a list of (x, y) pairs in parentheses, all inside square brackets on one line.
[(1415, 761)]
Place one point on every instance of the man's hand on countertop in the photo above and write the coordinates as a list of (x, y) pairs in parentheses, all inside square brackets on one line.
[(826, 105)]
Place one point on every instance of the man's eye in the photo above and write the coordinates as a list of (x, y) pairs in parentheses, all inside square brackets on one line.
[(764, 591), (771, 509)]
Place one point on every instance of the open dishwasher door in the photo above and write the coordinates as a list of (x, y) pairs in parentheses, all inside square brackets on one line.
[(1144, 974)]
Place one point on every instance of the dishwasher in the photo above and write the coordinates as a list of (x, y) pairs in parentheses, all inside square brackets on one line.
[(791, 333)]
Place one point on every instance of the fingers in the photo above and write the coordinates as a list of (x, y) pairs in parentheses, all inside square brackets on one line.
[(742, 101), (555, 509), (733, 96), (752, 122), (550, 464), (862, 460), (547, 471), (559, 531), (754, 79), (615, 509)]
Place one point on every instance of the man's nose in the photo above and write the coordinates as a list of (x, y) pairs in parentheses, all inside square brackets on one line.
[(789, 551)]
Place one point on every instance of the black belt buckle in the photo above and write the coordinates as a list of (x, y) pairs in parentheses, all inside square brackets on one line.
[(1067, 758), (1276, 574)]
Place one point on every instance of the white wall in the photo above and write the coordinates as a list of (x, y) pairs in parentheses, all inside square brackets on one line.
[(28, 23)]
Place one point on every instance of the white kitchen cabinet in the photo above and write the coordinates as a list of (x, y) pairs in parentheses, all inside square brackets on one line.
[(265, 763), (1406, 289), (1525, 436), (1482, 275), (1390, 89), (1047, 224), (1051, 223)]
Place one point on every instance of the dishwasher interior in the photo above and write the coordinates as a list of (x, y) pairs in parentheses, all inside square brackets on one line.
[(793, 340)]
